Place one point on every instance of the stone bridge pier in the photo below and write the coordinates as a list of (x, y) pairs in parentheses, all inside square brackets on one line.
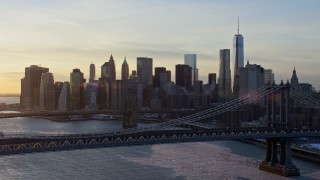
[(278, 153)]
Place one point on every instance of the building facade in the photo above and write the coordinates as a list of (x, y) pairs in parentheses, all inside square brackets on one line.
[(77, 89), (30, 87), (191, 60), (238, 57), (144, 70), (184, 76), (47, 92), (92, 72), (125, 70), (251, 78), (224, 93)]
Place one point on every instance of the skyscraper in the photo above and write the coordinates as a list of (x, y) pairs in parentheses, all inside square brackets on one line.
[(268, 76), (144, 70), (47, 92), (92, 72), (212, 78), (77, 89), (31, 86), (64, 97), (184, 76), (191, 60), (108, 70), (125, 70), (251, 78), (157, 71), (224, 93), (238, 56)]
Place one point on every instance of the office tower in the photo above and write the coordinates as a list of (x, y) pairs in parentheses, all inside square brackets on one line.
[(157, 71), (268, 76), (125, 70), (76, 89), (238, 56), (197, 87), (212, 78), (47, 92), (165, 77), (251, 78), (92, 72), (119, 89), (64, 97), (184, 76), (191, 60), (224, 93), (104, 70), (91, 92), (108, 70), (31, 86), (144, 70), (58, 88)]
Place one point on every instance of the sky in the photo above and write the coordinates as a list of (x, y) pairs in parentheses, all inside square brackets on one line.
[(67, 34)]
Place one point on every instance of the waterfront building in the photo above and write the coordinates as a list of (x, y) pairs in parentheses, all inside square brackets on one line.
[(47, 92), (77, 89), (184, 76), (125, 70), (144, 70), (30, 87), (64, 97), (238, 57), (224, 93), (92, 72), (191, 60)]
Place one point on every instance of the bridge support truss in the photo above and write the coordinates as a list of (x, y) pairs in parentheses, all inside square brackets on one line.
[(278, 154)]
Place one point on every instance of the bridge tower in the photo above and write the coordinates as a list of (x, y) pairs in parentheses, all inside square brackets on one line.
[(130, 112), (272, 163)]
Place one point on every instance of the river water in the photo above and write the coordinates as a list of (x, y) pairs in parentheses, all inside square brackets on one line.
[(213, 160)]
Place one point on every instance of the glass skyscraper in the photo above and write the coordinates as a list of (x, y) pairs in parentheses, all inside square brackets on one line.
[(191, 60), (238, 56)]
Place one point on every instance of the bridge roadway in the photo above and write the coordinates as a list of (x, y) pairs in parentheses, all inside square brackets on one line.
[(29, 144), (86, 112)]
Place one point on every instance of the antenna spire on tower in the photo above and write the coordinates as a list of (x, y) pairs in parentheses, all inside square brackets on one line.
[(238, 24)]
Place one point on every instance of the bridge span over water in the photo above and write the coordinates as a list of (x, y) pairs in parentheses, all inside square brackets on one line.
[(278, 131)]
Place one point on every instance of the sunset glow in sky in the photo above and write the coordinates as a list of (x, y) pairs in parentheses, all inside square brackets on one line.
[(63, 35)]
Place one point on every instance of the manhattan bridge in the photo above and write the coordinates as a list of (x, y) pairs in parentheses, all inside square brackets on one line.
[(277, 131)]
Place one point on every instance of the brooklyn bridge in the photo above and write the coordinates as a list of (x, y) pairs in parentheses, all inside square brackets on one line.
[(207, 125)]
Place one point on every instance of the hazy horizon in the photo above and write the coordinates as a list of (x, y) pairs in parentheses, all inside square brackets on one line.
[(63, 35)]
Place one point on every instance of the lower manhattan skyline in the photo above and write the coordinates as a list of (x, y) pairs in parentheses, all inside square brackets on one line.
[(64, 35)]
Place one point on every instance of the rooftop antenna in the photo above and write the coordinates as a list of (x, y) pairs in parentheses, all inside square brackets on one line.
[(238, 24)]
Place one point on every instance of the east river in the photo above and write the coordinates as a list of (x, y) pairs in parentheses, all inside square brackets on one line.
[(213, 160)]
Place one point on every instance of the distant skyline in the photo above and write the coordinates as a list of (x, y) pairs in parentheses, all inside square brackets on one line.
[(64, 35)]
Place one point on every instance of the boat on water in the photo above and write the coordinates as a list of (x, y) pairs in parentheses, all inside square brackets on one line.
[(104, 117)]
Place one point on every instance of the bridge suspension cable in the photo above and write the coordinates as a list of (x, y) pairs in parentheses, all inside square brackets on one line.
[(305, 98), (212, 111)]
